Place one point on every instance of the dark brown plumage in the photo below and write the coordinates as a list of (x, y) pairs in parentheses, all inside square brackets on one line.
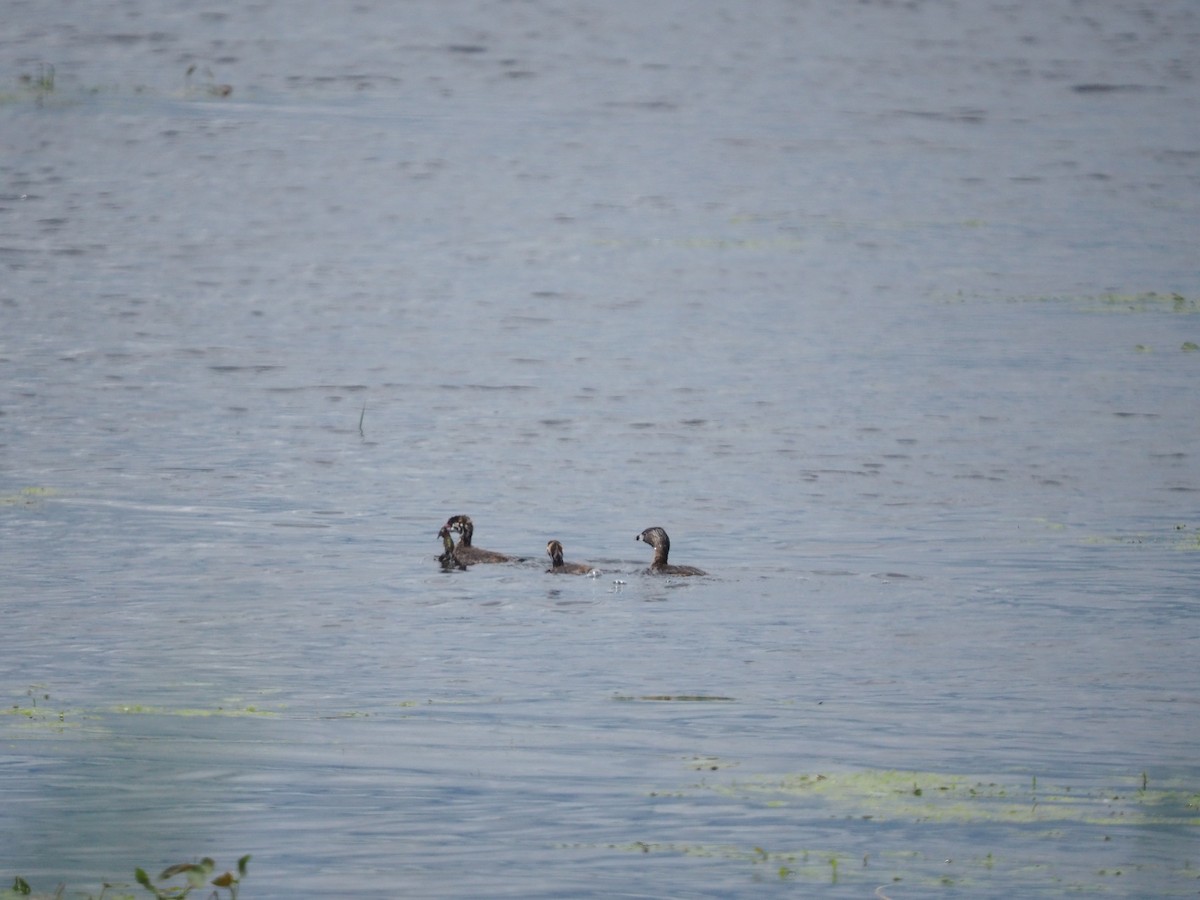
[(465, 551), (555, 551), (657, 538)]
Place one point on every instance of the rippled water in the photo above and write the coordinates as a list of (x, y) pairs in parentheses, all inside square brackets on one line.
[(887, 313)]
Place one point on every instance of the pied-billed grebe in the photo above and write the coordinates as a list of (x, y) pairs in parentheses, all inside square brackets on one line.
[(467, 553), (657, 538), (449, 558), (555, 551)]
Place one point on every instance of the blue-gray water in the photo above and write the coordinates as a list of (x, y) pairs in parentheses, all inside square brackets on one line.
[(888, 313)]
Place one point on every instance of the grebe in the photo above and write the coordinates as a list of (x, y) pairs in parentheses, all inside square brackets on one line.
[(555, 551), (657, 538), (467, 553)]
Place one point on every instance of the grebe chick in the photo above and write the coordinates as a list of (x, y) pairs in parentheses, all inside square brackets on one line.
[(467, 553), (657, 538), (555, 551), (449, 558)]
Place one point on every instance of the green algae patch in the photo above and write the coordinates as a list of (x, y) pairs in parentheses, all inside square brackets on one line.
[(36, 708), (1147, 301), (32, 715), (1180, 537), (902, 832), (35, 717), (808, 865), (1137, 302), (1111, 302), (27, 496), (34, 711), (910, 870), (136, 709), (891, 796), (1186, 538)]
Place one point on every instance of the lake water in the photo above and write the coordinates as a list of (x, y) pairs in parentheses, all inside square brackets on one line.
[(887, 312)]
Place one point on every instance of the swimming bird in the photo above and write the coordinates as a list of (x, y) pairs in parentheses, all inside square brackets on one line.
[(465, 551), (657, 538), (555, 551)]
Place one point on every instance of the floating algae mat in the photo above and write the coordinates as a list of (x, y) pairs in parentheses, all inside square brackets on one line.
[(928, 797), (895, 832), (29, 496), (32, 714)]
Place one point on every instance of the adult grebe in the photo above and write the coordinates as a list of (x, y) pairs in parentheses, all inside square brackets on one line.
[(465, 551), (657, 538)]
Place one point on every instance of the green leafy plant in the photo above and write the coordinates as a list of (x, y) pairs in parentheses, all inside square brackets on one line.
[(166, 887), (194, 875)]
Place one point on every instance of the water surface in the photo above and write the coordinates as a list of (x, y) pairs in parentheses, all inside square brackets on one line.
[(888, 314)]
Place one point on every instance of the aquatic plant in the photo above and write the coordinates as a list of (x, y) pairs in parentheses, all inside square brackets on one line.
[(195, 875), (28, 496), (1108, 816), (1111, 302), (35, 714), (59, 719), (1144, 301), (165, 887)]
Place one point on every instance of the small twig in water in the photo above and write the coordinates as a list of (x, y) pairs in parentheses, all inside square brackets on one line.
[(361, 415)]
